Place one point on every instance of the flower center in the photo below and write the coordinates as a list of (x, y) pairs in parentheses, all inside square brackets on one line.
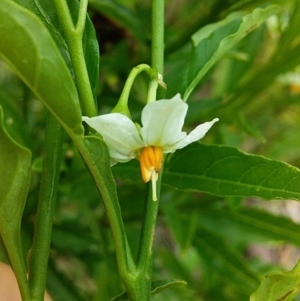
[(151, 158)]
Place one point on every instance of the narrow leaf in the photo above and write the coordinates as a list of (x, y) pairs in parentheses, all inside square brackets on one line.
[(247, 225), (226, 171), (213, 41), (219, 257), (217, 38), (29, 49), (15, 164), (279, 286), (120, 14)]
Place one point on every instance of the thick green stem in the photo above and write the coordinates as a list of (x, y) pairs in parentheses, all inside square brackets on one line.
[(38, 260), (157, 46), (73, 35), (141, 282)]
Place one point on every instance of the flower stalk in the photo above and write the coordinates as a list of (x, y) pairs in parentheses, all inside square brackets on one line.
[(122, 105)]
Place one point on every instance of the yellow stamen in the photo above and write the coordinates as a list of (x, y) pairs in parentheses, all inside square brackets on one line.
[(151, 158)]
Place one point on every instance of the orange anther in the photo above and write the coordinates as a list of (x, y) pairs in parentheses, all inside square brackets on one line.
[(151, 158)]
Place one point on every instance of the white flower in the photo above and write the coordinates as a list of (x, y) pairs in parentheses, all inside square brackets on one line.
[(161, 132)]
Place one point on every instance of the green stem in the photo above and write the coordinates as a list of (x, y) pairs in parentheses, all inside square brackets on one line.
[(157, 46), (142, 280), (38, 260), (73, 35), (153, 84), (144, 260)]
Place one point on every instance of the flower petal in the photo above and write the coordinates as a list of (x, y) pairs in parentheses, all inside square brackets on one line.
[(119, 133), (163, 120), (196, 134)]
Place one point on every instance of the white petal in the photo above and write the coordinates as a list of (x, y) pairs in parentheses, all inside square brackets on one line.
[(119, 133), (162, 121), (196, 134)]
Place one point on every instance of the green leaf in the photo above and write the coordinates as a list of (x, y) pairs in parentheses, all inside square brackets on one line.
[(129, 170), (247, 225), (27, 46), (46, 11), (213, 41), (96, 156), (15, 165), (119, 14), (279, 286), (219, 257), (182, 224), (157, 286), (14, 122), (226, 171)]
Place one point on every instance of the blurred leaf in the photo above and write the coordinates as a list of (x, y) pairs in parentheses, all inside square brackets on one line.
[(120, 14), (279, 286), (13, 121), (218, 38), (129, 170), (249, 225), (59, 287), (182, 224), (30, 51), (157, 286), (250, 129), (226, 171), (66, 240), (213, 41), (219, 257), (176, 267), (15, 164)]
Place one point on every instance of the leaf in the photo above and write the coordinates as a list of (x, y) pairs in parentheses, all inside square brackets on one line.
[(129, 170), (14, 122), (247, 225), (220, 258), (213, 41), (60, 287), (28, 48), (226, 171), (15, 164), (182, 224), (119, 14), (157, 286), (279, 286), (99, 155), (96, 156), (46, 11), (218, 38)]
